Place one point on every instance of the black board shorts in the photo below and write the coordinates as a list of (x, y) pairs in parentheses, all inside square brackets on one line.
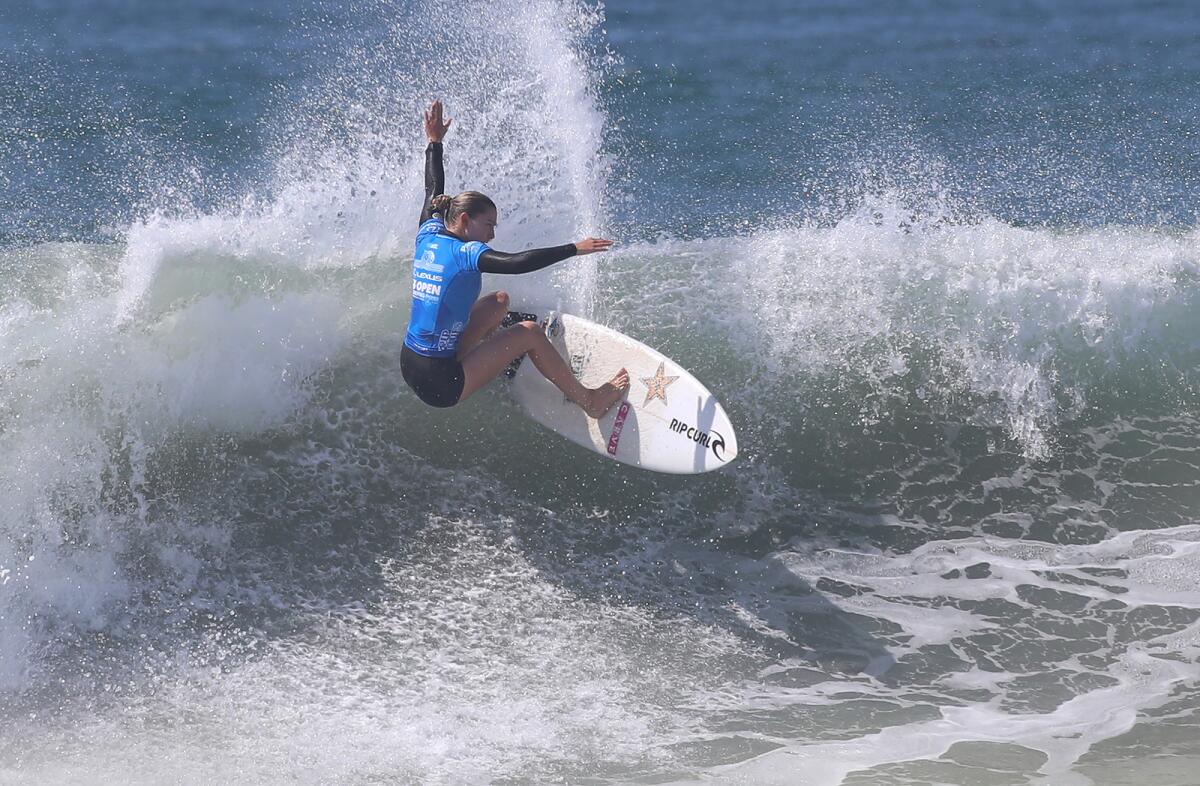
[(436, 381)]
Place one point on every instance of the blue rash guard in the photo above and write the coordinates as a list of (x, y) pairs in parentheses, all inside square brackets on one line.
[(446, 283)]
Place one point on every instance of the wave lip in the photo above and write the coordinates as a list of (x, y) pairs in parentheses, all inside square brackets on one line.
[(1043, 323)]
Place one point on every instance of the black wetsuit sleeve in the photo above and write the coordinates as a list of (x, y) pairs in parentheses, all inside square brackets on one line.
[(435, 178), (492, 261)]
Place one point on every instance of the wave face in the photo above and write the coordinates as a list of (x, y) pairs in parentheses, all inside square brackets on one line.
[(959, 544)]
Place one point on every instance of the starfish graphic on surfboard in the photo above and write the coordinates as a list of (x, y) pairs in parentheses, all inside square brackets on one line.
[(656, 386)]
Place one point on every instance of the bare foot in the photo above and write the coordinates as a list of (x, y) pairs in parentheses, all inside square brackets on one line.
[(603, 398)]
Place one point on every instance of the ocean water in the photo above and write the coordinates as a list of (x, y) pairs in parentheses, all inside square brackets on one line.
[(940, 261)]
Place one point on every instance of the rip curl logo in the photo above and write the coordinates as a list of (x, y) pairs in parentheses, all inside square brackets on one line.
[(718, 446), (712, 440), (448, 339)]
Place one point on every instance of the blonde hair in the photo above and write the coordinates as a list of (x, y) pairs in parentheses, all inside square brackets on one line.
[(472, 203)]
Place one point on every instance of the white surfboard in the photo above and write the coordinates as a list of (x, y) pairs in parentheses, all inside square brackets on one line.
[(667, 422)]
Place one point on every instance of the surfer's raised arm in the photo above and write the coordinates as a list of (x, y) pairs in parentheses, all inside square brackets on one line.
[(457, 342), (435, 174)]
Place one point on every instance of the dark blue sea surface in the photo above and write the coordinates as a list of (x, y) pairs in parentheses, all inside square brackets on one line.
[(939, 261), (1035, 113)]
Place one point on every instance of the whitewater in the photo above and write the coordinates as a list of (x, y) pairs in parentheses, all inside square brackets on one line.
[(960, 544)]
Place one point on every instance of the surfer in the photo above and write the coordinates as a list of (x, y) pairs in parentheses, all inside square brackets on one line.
[(453, 346)]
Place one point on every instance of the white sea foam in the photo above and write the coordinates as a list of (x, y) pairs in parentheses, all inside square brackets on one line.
[(527, 131), (233, 547), (217, 323), (1025, 322), (1139, 677)]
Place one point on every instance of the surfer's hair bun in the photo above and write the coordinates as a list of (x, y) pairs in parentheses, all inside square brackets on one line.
[(470, 202)]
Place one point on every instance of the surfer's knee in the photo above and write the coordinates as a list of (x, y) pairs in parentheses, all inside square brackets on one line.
[(495, 300), (530, 333)]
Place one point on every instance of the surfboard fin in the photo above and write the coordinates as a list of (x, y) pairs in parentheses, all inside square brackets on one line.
[(552, 324)]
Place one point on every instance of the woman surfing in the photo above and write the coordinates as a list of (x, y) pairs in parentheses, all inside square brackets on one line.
[(453, 347)]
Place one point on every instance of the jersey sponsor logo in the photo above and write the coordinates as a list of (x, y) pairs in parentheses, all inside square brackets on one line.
[(448, 338), (427, 291), (428, 260), (713, 440), (421, 274)]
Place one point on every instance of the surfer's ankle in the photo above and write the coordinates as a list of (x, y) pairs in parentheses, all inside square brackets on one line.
[(605, 397)]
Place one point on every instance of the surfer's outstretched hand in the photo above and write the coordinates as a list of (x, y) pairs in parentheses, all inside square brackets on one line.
[(590, 245), (435, 127)]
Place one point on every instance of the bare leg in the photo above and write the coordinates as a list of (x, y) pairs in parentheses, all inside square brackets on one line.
[(482, 364), (486, 315)]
